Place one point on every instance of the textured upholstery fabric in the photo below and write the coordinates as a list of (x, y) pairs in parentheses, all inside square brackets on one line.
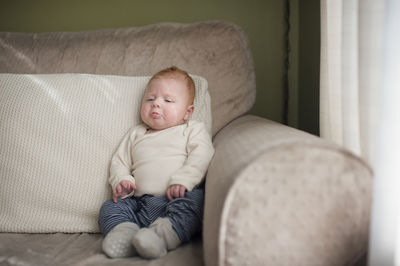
[(325, 212), (284, 197), (274, 195), (217, 51), (82, 250), (58, 133)]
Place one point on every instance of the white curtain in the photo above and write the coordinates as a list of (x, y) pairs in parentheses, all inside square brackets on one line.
[(360, 104), (351, 40)]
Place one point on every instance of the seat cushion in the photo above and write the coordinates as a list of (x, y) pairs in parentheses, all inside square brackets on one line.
[(84, 250)]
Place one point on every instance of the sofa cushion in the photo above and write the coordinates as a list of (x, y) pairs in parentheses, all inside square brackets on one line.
[(83, 249), (58, 133), (216, 50)]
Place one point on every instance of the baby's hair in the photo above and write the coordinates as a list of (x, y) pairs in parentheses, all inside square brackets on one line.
[(175, 72)]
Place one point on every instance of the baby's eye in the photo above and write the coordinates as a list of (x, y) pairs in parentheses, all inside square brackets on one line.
[(168, 100), (150, 99)]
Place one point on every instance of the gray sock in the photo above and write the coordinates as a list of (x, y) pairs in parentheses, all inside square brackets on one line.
[(148, 244), (118, 242), (155, 241)]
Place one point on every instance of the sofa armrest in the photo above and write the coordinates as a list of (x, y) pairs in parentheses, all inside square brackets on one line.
[(279, 196)]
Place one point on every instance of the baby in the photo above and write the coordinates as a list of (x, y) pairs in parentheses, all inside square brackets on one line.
[(156, 172)]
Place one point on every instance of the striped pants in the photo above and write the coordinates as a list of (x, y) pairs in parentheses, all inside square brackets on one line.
[(185, 214)]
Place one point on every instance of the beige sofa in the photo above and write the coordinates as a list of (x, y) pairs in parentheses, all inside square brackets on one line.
[(274, 195)]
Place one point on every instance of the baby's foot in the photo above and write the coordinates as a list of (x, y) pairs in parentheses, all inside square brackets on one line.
[(148, 244), (117, 243), (155, 241)]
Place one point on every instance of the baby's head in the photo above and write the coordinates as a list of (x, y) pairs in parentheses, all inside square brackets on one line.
[(168, 99)]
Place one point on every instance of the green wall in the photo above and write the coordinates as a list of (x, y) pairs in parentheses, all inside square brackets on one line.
[(262, 20), (309, 55)]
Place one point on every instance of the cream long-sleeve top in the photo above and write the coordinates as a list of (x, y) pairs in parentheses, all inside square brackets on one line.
[(155, 160)]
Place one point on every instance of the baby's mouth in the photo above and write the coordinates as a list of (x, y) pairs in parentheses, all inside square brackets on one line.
[(155, 115)]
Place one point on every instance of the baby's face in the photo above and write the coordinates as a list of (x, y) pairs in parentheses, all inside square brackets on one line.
[(166, 103)]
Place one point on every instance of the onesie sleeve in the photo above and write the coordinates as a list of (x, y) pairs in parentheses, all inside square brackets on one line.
[(121, 162), (200, 152)]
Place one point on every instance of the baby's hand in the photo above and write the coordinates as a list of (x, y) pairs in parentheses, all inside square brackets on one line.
[(124, 188), (176, 191)]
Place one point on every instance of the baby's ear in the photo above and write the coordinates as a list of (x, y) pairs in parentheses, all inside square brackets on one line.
[(189, 112)]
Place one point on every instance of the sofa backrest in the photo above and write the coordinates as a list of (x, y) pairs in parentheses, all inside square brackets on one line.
[(216, 50)]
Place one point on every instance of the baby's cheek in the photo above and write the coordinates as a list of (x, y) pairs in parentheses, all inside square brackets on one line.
[(143, 110), (172, 114)]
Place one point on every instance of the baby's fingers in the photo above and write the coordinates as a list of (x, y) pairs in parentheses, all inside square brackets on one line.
[(115, 197), (182, 190), (117, 193), (131, 187), (169, 193)]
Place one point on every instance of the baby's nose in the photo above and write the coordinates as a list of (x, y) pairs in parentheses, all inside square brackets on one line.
[(156, 102)]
